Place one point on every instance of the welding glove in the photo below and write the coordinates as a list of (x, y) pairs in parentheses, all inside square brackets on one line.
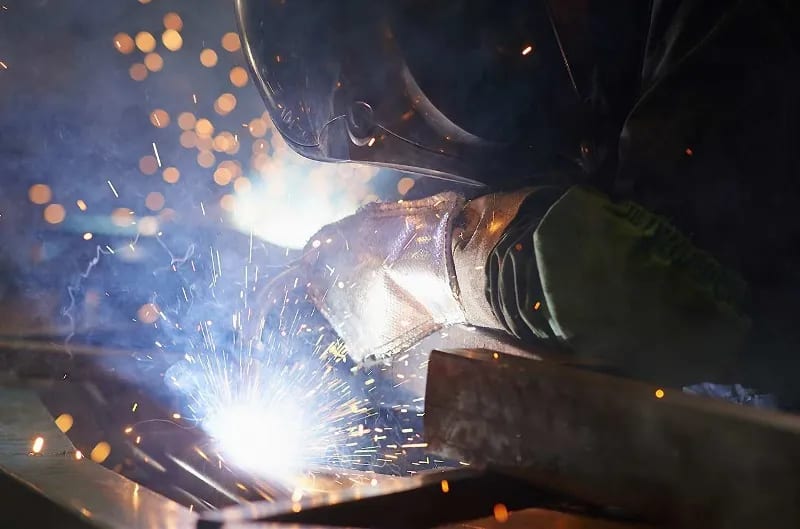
[(384, 277)]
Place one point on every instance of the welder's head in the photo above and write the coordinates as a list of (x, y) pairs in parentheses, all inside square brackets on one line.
[(484, 91)]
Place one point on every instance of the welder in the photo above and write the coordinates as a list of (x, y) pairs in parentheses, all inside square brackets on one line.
[(616, 179)]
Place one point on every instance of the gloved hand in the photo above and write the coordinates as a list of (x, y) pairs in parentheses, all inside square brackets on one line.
[(613, 283), (389, 275)]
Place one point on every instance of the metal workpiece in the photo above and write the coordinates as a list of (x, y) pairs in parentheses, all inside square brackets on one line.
[(649, 452), (411, 366), (57, 487), (522, 519), (425, 500)]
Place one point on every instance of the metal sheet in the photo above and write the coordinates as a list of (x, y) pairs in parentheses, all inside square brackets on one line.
[(90, 492), (425, 500), (676, 459), (524, 519)]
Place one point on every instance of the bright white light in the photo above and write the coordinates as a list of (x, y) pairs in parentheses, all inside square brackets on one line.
[(266, 441), (297, 197), (286, 221), (273, 418)]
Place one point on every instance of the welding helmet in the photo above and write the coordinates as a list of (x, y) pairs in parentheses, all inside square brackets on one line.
[(483, 91)]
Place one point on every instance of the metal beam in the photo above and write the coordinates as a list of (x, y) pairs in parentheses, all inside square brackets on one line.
[(663, 455)]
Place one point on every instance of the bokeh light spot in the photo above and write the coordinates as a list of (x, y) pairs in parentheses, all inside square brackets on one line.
[(205, 159), (233, 147), (40, 194), (257, 127), (148, 164), (64, 422), (145, 41), (228, 203), (222, 143), (138, 72), (233, 167), (171, 175), (122, 217), (186, 120), (159, 118), (172, 40), (225, 104), (203, 127), (153, 62), (204, 143), (148, 313), (54, 214), (222, 176), (188, 139), (230, 42), (124, 43), (154, 201), (208, 58), (238, 76), (260, 146), (173, 21), (101, 450)]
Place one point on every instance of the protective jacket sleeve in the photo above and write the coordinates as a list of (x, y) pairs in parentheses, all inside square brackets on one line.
[(618, 286)]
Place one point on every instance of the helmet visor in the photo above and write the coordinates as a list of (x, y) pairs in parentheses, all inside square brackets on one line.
[(456, 89)]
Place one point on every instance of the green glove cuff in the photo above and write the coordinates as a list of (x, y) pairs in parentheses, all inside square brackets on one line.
[(625, 288)]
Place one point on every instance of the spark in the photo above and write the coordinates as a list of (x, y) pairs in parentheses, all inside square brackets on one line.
[(527, 49), (204, 478), (112, 188), (500, 513), (155, 151), (38, 444)]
